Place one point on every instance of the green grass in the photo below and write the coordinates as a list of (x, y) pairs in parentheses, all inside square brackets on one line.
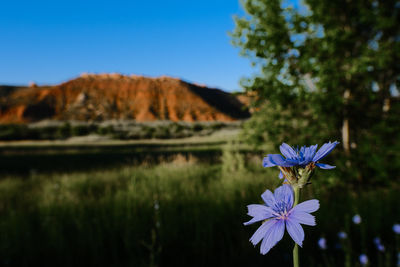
[(84, 155), (182, 213)]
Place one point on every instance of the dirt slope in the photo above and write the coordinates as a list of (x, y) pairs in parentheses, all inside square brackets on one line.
[(101, 97)]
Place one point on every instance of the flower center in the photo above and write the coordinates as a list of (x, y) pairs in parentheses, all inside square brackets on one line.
[(283, 215), (281, 210)]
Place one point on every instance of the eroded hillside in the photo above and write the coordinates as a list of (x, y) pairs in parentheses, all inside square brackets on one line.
[(99, 97)]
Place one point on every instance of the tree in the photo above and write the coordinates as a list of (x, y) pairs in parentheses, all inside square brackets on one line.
[(327, 69)]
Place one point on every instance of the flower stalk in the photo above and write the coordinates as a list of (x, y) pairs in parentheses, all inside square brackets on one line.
[(296, 190)]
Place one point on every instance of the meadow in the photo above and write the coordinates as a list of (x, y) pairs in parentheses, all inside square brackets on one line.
[(112, 129), (180, 210)]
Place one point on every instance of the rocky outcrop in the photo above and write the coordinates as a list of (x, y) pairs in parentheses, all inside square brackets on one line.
[(98, 97)]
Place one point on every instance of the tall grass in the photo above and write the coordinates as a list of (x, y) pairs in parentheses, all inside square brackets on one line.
[(182, 213)]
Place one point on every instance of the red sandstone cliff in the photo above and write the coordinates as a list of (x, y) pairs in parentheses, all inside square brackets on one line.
[(112, 96)]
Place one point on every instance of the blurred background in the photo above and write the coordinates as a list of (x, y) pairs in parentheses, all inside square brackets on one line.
[(132, 133)]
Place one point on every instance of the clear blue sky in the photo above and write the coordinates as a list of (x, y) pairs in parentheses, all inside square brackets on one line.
[(49, 42)]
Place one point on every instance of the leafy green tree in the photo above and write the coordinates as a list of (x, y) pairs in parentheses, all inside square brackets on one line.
[(327, 69)]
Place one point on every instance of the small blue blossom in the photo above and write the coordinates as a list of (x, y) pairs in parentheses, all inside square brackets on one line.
[(322, 243), (300, 157), (363, 259), (342, 235), (396, 228), (278, 214), (357, 219), (378, 244)]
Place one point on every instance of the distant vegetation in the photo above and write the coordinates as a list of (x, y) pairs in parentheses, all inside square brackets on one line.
[(113, 130)]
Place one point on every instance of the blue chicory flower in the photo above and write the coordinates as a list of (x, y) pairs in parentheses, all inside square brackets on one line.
[(396, 228), (300, 157), (342, 235), (357, 219), (322, 243), (279, 212), (363, 259)]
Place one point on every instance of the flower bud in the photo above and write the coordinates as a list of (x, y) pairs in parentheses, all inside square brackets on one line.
[(305, 174)]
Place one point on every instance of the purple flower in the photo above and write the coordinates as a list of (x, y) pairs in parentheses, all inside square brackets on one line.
[(342, 235), (300, 157), (363, 259), (322, 243), (279, 213), (357, 219), (396, 228)]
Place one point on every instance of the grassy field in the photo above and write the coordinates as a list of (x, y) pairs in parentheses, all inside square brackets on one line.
[(89, 153), (180, 213)]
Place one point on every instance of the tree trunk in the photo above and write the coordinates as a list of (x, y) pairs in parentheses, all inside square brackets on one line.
[(345, 125)]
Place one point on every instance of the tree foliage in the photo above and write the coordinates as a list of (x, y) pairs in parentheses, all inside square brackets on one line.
[(328, 70)]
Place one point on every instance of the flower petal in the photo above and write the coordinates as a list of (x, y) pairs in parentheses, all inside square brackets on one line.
[(314, 148), (274, 160), (325, 166), (277, 159), (324, 150), (288, 151), (295, 231), (302, 217), (309, 153), (259, 213), (261, 231), (280, 175), (268, 198), (284, 194), (267, 162), (273, 235), (292, 162), (307, 206)]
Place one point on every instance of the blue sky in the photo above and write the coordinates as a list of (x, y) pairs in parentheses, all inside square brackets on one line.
[(49, 42)]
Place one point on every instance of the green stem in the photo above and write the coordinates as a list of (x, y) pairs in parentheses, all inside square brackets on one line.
[(296, 247)]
